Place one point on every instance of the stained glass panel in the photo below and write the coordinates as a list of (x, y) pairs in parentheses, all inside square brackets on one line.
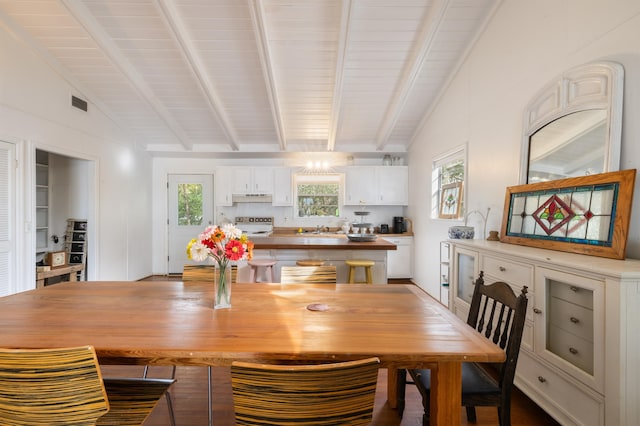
[(576, 214)]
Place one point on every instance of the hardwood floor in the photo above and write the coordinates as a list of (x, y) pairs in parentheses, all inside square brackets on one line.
[(189, 396), (190, 399)]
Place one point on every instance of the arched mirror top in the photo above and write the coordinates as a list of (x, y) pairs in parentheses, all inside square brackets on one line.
[(572, 127)]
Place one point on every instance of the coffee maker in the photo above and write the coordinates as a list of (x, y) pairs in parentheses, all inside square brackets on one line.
[(398, 224)]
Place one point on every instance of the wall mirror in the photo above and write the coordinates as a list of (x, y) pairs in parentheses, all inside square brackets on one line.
[(572, 127)]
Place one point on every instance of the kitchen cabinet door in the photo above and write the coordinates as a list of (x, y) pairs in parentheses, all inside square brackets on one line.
[(393, 185), (360, 186), (282, 187), (252, 180), (399, 262), (222, 187)]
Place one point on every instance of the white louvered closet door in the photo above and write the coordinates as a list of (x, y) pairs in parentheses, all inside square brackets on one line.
[(7, 218)]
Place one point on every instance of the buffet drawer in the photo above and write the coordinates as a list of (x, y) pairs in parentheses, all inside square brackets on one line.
[(575, 319), (571, 293), (510, 272), (571, 348), (572, 403)]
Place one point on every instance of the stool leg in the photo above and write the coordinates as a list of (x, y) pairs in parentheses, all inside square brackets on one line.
[(270, 273), (351, 274), (252, 274), (369, 274)]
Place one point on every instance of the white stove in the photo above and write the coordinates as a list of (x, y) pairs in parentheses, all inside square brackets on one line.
[(255, 227)]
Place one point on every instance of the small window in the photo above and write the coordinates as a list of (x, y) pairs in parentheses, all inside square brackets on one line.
[(189, 204), (317, 195), (448, 179)]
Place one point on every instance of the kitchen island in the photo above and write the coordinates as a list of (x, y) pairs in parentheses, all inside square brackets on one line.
[(333, 250)]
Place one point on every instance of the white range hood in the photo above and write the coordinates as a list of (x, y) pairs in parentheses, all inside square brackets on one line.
[(251, 198)]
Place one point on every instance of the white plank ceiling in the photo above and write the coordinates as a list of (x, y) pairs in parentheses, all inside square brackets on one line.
[(255, 77)]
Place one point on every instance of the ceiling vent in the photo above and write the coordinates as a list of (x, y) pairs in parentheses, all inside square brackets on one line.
[(79, 103)]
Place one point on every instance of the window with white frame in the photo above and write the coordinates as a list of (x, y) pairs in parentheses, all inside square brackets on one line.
[(447, 184), (317, 195)]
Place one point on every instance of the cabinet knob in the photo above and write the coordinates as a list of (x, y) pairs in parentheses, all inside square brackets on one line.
[(541, 379), (537, 310), (574, 351), (502, 268), (574, 288), (574, 320)]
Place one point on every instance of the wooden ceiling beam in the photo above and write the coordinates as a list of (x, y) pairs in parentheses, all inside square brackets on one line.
[(82, 15), (171, 17), (260, 31)]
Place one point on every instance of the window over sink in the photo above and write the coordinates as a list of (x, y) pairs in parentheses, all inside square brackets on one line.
[(317, 195)]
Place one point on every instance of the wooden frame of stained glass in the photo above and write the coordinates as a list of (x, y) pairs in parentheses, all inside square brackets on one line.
[(588, 214)]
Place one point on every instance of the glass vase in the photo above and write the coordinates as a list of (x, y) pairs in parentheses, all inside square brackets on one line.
[(222, 286)]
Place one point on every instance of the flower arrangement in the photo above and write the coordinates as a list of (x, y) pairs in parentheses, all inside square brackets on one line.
[(223, 245)]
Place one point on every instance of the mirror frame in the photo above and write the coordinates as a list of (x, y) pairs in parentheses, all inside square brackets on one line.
[(597, 85)]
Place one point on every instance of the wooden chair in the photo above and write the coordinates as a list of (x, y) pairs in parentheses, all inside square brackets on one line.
[(325, 394), (199, 273), (133, 399), (65, 386), (308, 274), (497, 314), (204, 273)]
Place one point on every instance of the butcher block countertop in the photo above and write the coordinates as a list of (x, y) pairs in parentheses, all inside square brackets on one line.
[(328, 243)]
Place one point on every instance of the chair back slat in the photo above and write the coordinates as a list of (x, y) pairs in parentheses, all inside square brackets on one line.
[(507, 325), (340, 393), (308, 274), (51, 386)]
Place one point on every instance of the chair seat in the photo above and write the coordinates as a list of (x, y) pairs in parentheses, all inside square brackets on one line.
[(475, 379)]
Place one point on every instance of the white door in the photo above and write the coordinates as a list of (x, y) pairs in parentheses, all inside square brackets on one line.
[(7, 218), (190, 201)]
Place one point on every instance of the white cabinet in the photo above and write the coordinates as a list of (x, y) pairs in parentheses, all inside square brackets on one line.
[(579, 354), (399, 262), (393, 185), (223, 190), (360, 185), (252, 180), (377, 185), (282, 187), (445, 272)]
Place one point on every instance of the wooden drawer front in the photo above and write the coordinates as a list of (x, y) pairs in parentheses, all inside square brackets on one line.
[(570, 293), (571, 348), (509, 272), (570, 404), (572, 318)]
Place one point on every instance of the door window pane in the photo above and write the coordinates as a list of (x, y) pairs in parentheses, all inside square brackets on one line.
[(189, 204)]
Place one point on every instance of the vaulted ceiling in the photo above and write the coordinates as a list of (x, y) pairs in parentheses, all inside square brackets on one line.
[(255, 76)]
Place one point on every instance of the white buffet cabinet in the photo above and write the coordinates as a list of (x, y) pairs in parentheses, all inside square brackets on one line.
[(580, 355)]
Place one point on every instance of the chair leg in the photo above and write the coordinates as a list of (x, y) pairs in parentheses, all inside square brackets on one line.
[(401, 391), (471, 414), (210, 396), (504, 415), (167, 395)]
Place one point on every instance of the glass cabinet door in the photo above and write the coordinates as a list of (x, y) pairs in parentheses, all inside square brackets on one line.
[(466, 273)]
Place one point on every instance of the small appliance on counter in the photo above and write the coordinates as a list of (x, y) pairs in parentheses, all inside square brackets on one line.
[(398, 225), (384, 228)]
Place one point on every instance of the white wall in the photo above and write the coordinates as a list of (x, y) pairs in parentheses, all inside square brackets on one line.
[(35, 111), (525, 45)]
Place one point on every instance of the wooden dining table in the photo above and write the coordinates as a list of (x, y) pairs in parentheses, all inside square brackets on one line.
[(174, 323)]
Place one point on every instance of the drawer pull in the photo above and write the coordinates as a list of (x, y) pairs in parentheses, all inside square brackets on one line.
[(574, 351), (541, 379), (502, 268), (574, 320), (574, 288), (537, 310)]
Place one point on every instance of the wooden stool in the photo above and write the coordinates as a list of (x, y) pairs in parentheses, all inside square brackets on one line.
[(366, 264), (255, 264), (309, 262)]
